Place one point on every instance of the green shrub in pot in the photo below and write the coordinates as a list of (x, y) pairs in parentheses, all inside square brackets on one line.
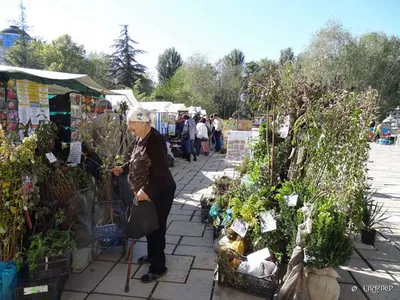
[(373, 214), (329, 244)]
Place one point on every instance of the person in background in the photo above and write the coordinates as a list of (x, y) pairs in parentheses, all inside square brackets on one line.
[(212, 137), (218, 128), (202, 135), (188, 136), (150, 180)]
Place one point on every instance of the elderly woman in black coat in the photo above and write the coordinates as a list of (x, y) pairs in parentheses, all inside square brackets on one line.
[(150, 180)]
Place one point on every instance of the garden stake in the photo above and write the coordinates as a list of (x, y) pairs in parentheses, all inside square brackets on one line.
[(128, 274)]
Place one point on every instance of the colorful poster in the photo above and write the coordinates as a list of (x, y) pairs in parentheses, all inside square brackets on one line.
[(33, 92), (22, 91), (238, 147)]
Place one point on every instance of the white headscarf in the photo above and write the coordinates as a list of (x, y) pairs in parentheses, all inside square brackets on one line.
[(139, 114)]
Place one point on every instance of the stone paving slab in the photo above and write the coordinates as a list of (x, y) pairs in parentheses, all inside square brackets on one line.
[(114, 283), (205, 256), (198, 286), (88, 279), (73, 296), (346, 292), (110, 297), (185, 228), (178, 269), (226, 293)]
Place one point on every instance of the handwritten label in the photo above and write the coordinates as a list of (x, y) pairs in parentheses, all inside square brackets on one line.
[(50, 156)]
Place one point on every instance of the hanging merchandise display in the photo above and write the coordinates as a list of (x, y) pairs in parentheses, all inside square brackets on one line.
[(83, 109)]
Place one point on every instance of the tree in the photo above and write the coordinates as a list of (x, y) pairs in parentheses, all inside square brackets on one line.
[(143, 88), (64, 55), (286, 55), (20, 55), (124, 65), (235, 58), (98, 65), (168, 63), (321, 60), (27, 56)]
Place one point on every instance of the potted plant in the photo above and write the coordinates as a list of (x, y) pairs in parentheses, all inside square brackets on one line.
[(373, 214), (327, 247)]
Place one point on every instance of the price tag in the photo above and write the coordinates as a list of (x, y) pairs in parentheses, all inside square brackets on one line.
[(36, 290), (268, 222), (50, 156), (292, 199), (240, 227)]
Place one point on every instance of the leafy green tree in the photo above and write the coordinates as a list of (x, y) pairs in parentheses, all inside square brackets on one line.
[(235, 58), (168, 63), (286, 55), (322, 59), (124, 65), (97, 67), (26, 56), (20, 55), (143, 88), (64, 55)]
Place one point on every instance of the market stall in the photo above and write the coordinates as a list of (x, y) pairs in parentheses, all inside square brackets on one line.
[(46, 195)]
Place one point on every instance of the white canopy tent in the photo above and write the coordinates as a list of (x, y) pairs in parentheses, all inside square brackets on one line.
[(160, 107), (58, 82), (197, 109), (177, 107), (124, 95)]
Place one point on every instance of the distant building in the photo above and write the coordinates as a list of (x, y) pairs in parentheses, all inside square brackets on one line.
[(8, 37)]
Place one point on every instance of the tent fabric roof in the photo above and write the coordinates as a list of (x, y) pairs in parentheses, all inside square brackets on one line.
[(58, 82), (156, 106), (176, 107), (124, 95)]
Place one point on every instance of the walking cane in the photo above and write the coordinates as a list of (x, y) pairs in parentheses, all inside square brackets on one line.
[(128, 274)]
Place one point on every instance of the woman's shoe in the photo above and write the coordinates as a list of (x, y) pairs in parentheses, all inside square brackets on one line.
[(151, 277)]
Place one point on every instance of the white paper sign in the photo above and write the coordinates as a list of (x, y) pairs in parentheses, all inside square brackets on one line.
[(258, 256), (240, 227), (50, 156), (23, 114), (292, 199), (75, 152), (268, 222)]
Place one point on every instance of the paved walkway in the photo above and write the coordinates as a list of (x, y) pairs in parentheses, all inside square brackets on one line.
[(191, 258), (379, 266)]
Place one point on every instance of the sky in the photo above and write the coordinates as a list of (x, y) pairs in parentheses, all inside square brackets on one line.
[(260, 28)]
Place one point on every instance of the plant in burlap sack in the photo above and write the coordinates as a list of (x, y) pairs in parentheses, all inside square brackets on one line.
[(327, 247), (16, 161)]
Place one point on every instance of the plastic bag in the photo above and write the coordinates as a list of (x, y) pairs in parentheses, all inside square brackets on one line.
[(8, 280), (215, 210), (259, 270), (224, 243)]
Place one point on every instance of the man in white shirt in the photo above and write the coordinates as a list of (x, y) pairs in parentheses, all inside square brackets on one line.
[(218, 127)]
